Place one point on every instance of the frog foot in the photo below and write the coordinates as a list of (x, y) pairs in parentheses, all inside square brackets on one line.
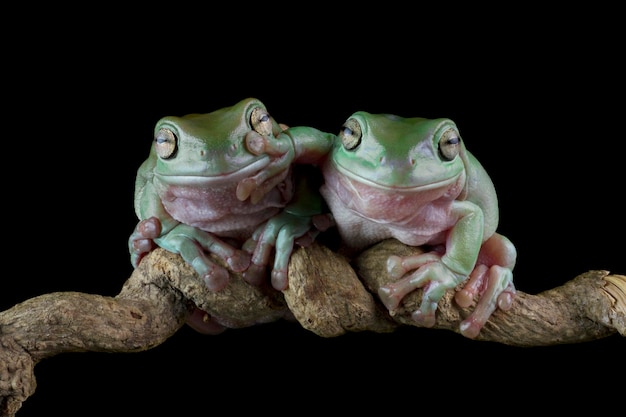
[(141, 241), (494, 287)]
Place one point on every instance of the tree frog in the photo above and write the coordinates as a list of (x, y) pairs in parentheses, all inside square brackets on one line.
[(222, 183), (413, 180)]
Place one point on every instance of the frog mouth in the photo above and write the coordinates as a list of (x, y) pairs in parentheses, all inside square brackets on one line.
[(215, 179), (425, 186)]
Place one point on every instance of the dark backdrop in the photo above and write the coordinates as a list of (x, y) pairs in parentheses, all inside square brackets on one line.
[(543, 116)]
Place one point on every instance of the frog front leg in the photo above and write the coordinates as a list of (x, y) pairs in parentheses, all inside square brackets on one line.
[(437, 273), (298, 224), (195, 245)]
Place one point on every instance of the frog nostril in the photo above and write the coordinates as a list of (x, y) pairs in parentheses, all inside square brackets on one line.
[(381, 160), (412, 161)]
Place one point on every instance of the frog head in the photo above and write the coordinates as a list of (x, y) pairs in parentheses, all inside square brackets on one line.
[(400, 154), (212, 147)]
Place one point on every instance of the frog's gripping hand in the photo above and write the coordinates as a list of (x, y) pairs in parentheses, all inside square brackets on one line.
[(195, 246), (279, 235), (141, 241)]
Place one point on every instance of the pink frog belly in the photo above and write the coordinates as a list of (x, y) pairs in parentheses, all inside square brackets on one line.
[(215, 208), (365, 214)]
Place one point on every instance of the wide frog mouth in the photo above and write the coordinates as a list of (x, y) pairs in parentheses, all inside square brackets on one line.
[(202, 180), (412, 187)]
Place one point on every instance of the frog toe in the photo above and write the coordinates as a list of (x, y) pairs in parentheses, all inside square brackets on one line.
[(465, 296), (425, 317), (239, 261), (280, 281), (471, 327), (216, 279), (505, 300), (255, 274), (394, 266)]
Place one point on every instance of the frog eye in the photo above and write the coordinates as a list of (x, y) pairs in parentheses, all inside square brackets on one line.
[(350, 134), (449, 144), (261, 121), (165, 143)]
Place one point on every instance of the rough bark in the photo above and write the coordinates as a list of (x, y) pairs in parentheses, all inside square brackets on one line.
[(327, 295)]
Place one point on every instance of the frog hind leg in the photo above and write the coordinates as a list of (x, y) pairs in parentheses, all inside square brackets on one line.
[(491, 281)]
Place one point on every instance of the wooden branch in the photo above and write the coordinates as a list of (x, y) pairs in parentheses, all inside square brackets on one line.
[(327, 295)]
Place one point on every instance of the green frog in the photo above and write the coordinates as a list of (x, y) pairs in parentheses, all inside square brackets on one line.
[(223, 184), (412, 179)]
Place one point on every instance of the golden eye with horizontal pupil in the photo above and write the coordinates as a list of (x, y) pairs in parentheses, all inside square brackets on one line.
[(261, 121), (165, 143), (449, 145), (350, 134)]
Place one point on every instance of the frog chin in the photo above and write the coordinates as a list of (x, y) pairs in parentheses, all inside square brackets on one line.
[(203, 179)]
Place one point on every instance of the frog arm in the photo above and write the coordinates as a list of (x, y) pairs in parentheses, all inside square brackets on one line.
[(296, 145), (481, 191), (464, 239), (299, 223), (437, 273), (311, 145)]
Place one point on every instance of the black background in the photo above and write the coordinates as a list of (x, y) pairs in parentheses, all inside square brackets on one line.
[(538, 102)]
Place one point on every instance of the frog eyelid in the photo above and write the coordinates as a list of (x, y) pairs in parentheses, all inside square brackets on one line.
[(449, 144), (351, 134), (261, 121), (165, 143)]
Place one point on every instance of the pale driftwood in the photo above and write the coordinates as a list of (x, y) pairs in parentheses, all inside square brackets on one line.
[(327, 295)]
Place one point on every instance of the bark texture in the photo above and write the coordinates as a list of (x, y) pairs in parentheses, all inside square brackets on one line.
[(327, 295)]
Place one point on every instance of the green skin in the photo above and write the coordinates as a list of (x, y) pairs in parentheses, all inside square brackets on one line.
[(413, 180), (223, 184)]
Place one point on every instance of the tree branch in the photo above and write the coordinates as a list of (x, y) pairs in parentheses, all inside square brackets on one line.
[(327, 295)]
